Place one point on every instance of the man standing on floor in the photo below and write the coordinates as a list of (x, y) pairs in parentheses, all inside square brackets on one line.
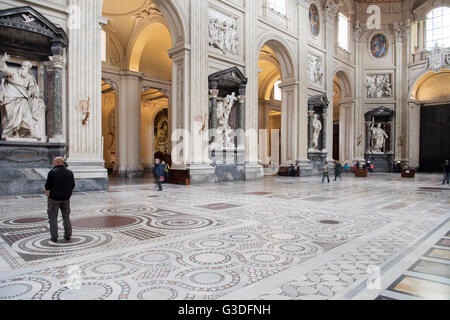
[(59, 187), (337, 170), (158, 172), (325, 172), (446, 172)]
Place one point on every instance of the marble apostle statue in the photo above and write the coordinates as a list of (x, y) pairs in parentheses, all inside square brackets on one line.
[(379, 137), (19, 102), (224, 136), (317, 128)]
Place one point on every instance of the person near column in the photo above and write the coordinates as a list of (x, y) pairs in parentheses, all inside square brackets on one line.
[(292, 171), (325, 172), (337, 170), (158, 172), (166, 170), (59, 186), (446, 172)]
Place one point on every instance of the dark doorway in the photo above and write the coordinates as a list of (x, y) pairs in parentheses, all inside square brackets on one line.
[(336, 141), (434, 137)]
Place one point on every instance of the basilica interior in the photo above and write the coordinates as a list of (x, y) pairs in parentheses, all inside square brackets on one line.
[(248, 103)]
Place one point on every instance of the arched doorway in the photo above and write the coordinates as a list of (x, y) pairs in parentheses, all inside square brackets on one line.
[(138, 43), (277, 96), (343, 102), (429, 121)]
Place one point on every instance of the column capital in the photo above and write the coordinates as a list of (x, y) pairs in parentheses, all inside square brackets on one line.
[(241, 99), (331, 10), (56, 62), (311, 113)]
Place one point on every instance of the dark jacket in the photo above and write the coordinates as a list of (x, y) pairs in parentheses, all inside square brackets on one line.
[(158, 171), (60, 183), (446, 167)]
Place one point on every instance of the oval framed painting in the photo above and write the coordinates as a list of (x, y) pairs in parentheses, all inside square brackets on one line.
[(379, 45), (314, 20)]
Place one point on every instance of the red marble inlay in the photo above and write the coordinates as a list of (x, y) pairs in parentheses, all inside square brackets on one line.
[(103, 222), (29, 220)]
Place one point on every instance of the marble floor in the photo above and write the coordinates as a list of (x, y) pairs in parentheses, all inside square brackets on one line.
[(381, 237)]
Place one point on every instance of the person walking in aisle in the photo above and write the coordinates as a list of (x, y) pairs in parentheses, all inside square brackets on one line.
[(59, 186), (446, 172), (158, 172), (337, 170)]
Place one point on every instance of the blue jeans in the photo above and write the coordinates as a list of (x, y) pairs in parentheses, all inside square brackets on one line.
[(445, 177), (323, 178)]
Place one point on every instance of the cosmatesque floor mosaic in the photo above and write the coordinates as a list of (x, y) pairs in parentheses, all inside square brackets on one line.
[(383, 237)]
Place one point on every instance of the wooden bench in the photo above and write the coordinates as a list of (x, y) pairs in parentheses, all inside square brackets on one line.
[(283, 171), (361, 173), (180, 176), (408, 173)]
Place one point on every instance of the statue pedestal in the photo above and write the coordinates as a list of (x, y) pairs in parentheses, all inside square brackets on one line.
[(382, 161), (318, 159), (24, 166), (228, 163)]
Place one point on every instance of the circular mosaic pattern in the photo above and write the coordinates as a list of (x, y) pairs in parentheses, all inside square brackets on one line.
[(210, 258), (180, 223), (41, 245), (211, 244), (282, 236), (207, 278), (158, 293), (325, 236), (128, 210), (298, 249), (108, 268), (105, 222), (264, 259), (156, 258), (14, 290), (86, 291), (25, 222)]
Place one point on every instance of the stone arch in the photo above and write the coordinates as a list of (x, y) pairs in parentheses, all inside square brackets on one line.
[(343, 132), (289, 88), (422, 80), (139, 40), (345, 82), (283, 53)]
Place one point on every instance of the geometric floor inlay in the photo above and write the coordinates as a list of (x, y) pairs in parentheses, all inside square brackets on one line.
[(281, 238)]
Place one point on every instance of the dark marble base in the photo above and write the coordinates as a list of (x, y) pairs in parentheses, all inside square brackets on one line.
[(318, 159), (131, 174), (22, 181), (226, 173), (382, 162)]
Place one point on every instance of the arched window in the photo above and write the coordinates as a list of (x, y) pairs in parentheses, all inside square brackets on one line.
[(278, 5), (277, 91), (438, 28), (343, 26)]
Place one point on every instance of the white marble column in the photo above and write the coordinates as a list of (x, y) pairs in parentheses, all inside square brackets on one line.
[(303, 121), (413, 135), (401, 32), (252, 169), (85, 143), (331, 11), (360, 33), (346, 132), (289, 124), (129, 133), (179, 106)]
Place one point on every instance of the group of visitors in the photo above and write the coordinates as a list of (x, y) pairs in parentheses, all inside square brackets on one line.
[(337, 171), (61, 183)]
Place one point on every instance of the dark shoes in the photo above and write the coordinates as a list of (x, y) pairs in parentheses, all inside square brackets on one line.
[(67, 238), (54, 240)]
